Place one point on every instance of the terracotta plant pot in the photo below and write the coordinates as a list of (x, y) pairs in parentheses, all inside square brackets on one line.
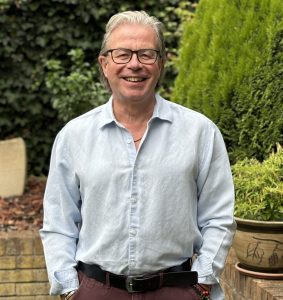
[(259, 245)]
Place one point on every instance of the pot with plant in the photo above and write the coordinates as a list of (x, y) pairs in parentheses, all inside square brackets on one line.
[(258, 240)]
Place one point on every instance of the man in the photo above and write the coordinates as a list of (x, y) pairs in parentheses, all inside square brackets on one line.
[(137, 186)]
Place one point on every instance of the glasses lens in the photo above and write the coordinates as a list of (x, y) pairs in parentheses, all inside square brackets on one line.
[(147, 56), (121, 56)]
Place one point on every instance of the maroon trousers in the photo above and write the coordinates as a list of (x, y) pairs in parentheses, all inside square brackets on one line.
[(91, 289)]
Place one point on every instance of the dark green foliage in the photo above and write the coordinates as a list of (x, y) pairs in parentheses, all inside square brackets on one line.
[(76, 92), (225, 72), (33, 32), (260, 106)]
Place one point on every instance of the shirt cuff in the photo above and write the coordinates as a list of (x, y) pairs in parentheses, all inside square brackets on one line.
[(64, 281), (203, 266)]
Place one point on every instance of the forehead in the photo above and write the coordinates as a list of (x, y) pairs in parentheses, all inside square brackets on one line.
[(132, 36)]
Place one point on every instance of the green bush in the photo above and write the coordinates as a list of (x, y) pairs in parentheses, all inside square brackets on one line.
[(259, 188), (76, 92), (260, 106), (34, 32), (221, 53)]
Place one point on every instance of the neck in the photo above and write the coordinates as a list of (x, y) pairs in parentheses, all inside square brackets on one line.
[(133, 113)]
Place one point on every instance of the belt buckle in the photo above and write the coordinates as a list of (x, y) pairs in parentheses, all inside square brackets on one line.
[(130, 284)]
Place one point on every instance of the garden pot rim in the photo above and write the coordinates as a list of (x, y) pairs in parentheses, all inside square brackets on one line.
[(259, 223)]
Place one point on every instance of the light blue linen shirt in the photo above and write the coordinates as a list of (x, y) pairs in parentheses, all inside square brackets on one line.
[(138, 211)]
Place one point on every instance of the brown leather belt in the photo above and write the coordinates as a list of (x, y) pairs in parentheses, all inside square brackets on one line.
[(175, 276)]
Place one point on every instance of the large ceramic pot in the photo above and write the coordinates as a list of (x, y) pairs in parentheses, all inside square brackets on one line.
[(259, 245)]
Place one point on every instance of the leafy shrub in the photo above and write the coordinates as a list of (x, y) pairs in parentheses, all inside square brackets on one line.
[(77, 92), (259, 188), (260, 107), (221, 53)]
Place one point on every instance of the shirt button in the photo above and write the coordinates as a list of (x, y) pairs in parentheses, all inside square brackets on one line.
[(129, 141), (133, 232), (134, 200), (132, 263)]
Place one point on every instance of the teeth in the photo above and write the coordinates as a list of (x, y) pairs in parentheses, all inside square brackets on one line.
[(134, 79)]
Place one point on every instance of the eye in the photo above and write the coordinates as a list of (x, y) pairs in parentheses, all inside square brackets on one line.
[(121, 54), (147, 54)]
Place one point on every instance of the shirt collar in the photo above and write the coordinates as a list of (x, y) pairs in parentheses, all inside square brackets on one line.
[(161, 111), (107, 115)]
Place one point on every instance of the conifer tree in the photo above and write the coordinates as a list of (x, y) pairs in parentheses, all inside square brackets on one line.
[(220, 55)]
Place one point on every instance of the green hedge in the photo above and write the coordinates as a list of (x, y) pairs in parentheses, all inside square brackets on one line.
[(34, 32), (230, 69), (260, 105)]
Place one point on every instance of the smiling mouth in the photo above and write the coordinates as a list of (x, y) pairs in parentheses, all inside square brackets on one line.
[(134, 79)]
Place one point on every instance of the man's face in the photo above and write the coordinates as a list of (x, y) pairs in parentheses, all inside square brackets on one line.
[(132, 81)]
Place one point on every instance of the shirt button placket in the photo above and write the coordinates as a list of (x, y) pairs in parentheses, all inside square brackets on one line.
[(133, 232), (134, 221), (133, 202)]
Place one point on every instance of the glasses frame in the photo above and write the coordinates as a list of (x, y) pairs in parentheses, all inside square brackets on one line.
[(133, 52)]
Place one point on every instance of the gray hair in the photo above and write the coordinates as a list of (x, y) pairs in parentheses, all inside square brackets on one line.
[(135, 17)]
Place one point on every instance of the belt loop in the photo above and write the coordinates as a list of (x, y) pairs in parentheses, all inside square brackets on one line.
[(160, 280), (107, 279)]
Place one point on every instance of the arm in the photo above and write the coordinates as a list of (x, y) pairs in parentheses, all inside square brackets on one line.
[(215, 208), (61, 218)]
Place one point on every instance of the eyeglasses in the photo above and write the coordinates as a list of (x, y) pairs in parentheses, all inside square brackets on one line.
[(123, 56)]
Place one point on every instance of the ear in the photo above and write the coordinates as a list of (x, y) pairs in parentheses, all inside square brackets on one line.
[(103, 61)]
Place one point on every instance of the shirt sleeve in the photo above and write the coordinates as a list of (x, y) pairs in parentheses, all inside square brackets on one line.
[(215, 208), (62, 218)]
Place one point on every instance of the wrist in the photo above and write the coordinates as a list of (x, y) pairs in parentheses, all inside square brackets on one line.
[(207, 287), (68, 295)]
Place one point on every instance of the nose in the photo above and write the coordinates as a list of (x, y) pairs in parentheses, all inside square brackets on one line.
[(134, 63)]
